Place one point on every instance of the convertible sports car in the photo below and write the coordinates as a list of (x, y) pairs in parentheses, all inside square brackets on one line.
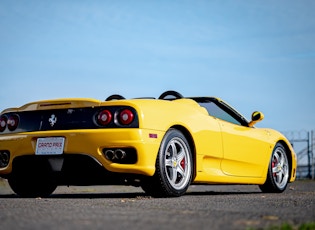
[(163, 145)]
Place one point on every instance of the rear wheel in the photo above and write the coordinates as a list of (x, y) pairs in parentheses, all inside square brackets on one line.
[(30, 179), (174, 167), (278, 171)]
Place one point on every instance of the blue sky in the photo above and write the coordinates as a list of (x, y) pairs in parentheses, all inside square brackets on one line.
[(256, 55)]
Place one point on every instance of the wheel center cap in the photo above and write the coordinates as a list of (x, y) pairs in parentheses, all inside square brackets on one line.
[(174, 162)]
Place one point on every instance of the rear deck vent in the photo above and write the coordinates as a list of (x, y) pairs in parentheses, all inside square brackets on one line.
[(53, 104)]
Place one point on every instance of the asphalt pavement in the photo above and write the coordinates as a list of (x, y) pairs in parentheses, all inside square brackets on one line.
[(120, 207)]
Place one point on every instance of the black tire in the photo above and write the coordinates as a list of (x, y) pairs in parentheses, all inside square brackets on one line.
[(32, 180), (278, 171), (174, 167)]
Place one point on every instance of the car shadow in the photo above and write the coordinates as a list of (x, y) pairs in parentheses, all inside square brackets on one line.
[(127, 195), (221, 193)]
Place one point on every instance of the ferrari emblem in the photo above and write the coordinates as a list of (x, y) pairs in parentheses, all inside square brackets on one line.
[(52, 120)]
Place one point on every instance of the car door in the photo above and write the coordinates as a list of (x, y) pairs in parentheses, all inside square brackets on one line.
[(245, 149)]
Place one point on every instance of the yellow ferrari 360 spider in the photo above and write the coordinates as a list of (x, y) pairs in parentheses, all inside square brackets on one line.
[(163, 145)]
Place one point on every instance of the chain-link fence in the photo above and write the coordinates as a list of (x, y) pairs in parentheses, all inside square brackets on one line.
[(303, 144)]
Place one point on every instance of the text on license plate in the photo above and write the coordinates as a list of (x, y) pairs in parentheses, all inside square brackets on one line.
[(50, 146)]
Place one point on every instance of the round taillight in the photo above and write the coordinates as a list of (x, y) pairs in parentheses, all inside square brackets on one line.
[(13, 122), (3, 123), (126, 117), (104, 117)]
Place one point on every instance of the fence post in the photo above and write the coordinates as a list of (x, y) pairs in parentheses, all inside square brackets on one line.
[(309, 158), (312, 155)]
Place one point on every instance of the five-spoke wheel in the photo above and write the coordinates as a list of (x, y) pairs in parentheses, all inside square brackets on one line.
[(278, 172), (174, 167), (177, 163)]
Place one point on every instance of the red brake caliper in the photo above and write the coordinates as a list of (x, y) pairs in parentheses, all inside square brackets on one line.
[(182, 163), (274, 162)]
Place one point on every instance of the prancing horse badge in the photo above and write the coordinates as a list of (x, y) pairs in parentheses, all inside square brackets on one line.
[(52, 120)]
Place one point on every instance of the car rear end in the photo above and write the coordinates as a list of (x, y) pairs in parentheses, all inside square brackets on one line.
[(107, 133)]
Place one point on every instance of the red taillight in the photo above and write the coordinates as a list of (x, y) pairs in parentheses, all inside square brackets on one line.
[(104, 117), (126, 117), (3, 123), (13, 122)]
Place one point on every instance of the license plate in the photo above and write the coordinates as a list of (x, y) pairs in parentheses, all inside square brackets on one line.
[(50, 146)]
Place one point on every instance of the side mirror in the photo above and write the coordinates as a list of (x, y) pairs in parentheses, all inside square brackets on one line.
[(256, 117)]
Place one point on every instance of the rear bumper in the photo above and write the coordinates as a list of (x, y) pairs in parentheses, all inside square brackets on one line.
[(91, 143)]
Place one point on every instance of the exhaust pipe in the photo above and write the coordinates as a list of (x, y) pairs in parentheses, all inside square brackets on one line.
[(4, 158), (109, 154), (120, 154), (113, 155)]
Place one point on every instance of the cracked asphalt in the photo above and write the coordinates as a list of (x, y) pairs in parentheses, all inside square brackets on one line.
[(119, 207)]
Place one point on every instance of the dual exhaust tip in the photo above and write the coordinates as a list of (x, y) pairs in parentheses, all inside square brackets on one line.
[(115, 155), (4, 158)]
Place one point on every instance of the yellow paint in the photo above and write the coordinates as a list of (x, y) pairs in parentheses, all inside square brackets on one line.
[(223, 152)]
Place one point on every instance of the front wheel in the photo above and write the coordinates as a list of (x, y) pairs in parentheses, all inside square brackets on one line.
[(174, 167), (278, 171)]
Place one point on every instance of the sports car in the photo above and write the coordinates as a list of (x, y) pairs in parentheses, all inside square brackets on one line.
[(162, 144)]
